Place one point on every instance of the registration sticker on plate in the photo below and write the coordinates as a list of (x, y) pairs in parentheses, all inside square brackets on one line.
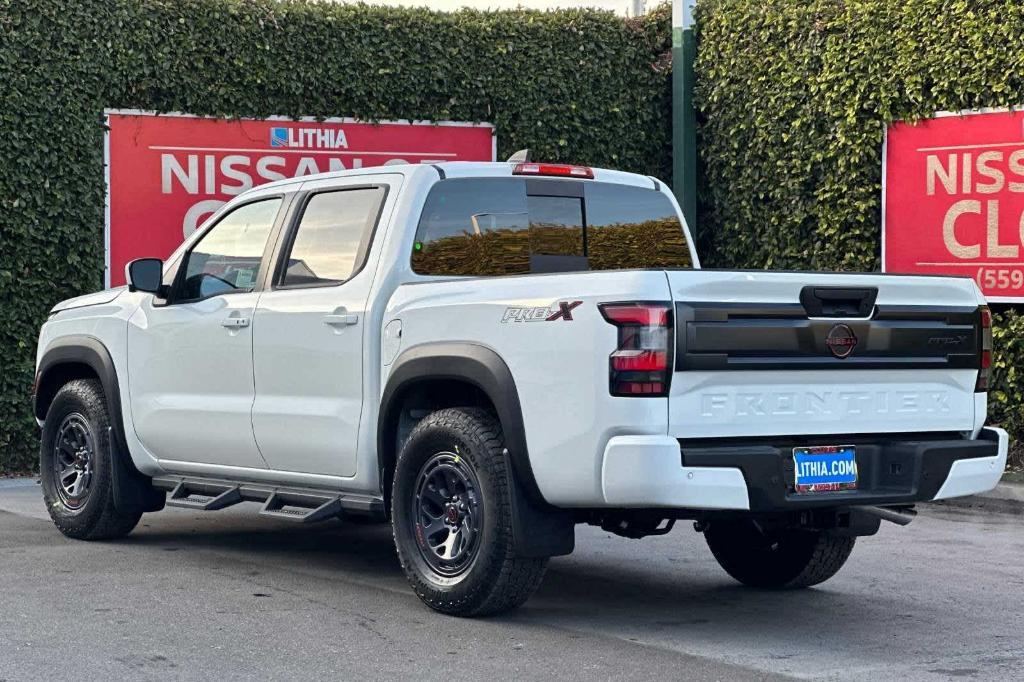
[(825, 468)]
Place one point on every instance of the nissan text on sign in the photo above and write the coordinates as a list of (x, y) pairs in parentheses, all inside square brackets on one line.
[(953, 199), (168, 173)]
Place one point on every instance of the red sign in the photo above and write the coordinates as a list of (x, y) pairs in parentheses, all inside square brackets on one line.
[(953, 200), (168, 173)]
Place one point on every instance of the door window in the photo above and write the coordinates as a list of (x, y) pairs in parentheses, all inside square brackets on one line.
[(332, 237), (227, 258)]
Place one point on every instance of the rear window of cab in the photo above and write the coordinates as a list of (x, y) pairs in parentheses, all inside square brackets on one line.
[(512, 226)]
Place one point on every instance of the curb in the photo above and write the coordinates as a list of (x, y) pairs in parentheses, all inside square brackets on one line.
[(1005, 498)]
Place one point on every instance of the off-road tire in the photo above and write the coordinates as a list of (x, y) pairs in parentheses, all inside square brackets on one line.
[(776, 559), (496, 580), (96, 518)]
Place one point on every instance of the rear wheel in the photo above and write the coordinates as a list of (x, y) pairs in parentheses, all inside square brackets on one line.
[(777, 558), (452, 518), (75, 465)]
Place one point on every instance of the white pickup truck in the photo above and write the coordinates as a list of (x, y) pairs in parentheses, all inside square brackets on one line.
[(486, 354)]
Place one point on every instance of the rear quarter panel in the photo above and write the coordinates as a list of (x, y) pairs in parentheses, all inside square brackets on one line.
[(560, 366)]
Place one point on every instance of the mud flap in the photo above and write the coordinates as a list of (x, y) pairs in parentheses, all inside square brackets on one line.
[(538, 529), (133, 492)]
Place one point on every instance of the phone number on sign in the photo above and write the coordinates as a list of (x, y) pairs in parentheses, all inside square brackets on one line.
[(1000, 278)]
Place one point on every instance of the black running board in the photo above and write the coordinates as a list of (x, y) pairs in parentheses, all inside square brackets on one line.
[(204, 500), (280, 506), (304, 505)]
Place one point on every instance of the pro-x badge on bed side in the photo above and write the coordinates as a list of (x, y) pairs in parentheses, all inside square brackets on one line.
[(558, 311)]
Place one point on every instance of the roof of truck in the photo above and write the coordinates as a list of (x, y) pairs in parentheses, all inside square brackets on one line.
[(458, 169)]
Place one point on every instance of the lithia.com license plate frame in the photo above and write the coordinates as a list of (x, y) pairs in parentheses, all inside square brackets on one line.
[(825, 468)]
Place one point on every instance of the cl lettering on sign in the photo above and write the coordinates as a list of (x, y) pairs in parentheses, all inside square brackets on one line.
[(953, 199)]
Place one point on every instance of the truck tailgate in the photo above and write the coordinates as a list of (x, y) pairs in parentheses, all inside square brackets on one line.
[(774, 354)]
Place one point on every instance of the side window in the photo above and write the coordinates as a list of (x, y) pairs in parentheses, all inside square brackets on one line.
[(332, 237), (227, 258)]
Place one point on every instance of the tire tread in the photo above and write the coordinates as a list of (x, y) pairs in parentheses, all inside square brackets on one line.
[(830, 553), (810, 557)]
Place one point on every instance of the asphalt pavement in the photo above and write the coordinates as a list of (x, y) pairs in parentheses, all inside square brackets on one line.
[(229, 595)]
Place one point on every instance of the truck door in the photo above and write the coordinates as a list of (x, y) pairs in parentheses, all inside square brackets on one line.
[(310, 328), (190, 358)]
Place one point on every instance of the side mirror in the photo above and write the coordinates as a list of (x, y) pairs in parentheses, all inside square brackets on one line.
[(145, 274)]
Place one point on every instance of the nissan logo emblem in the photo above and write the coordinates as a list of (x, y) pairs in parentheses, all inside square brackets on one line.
[(841, 341)]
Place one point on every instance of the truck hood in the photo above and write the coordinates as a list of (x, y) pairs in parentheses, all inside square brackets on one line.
[(97, 298)]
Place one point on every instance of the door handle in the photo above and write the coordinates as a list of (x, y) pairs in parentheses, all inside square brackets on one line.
[(340, 319), (235, 322)]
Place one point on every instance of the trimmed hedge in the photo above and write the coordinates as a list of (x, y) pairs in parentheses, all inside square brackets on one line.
[(794, 97), (1007, 390), (578, 86)]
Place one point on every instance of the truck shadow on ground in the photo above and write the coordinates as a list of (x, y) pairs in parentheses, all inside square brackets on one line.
[(682, 596)]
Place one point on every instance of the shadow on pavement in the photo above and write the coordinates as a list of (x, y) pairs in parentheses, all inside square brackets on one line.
[(662, 596), (353, 549)]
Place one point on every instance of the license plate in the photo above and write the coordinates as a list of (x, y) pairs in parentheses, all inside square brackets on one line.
[(825, 468)]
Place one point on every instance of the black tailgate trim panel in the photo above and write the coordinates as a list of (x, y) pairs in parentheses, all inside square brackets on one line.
[(781, 336)]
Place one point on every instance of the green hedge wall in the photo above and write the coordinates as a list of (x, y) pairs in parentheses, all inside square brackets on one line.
[(574, 85), (1007, 390), (794, 97)]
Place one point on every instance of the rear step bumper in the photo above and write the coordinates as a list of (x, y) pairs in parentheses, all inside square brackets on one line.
[(660, 471)]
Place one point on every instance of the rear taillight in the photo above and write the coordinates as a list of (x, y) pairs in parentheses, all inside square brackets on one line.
[(985, 359), (555, 169), (641, 365)]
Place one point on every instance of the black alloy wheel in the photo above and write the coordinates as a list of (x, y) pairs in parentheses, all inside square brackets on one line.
[(73, 455), (447, 514)]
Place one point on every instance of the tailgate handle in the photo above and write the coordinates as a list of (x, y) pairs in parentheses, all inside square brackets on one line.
[(838, 301)]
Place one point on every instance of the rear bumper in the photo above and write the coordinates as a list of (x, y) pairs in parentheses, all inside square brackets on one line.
[(978, 474), (659, 471)]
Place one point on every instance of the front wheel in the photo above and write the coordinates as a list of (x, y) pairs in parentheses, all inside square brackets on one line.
[(451, 514), (75, 465), (776, 558)]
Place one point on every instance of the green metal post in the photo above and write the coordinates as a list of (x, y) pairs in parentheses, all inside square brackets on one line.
[(684, 118)]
